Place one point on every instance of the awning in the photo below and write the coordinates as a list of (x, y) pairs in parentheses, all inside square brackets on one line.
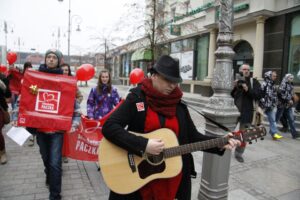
[(141, 54)]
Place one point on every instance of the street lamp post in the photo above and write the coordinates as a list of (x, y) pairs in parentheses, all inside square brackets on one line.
[(69, 32), (69, 28), (221, 108), (6, 27)]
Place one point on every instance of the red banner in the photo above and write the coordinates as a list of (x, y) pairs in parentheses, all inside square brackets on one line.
[(15, 81), (47, 100), (83, 143)]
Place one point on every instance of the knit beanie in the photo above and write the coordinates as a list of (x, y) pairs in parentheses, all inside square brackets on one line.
[(56, 52)]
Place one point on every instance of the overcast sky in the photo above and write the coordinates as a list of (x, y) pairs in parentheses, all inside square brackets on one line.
[(36, 22)]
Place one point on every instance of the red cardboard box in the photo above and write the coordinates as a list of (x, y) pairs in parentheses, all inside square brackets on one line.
[(47, 100)]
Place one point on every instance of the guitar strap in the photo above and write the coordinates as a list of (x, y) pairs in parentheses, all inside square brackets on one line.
[(209, 119), (162, 120)]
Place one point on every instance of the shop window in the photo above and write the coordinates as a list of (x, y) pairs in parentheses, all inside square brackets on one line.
[(183, 45), (202, 57), (188, 44), (176, 47), (294, 51)]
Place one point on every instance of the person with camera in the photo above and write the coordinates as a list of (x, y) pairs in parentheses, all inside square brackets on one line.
[(246, 93)]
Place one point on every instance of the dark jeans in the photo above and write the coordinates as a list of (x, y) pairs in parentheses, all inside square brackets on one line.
[(32, 131), (51, 152), (290, 118), (284, 119), (2, 141)]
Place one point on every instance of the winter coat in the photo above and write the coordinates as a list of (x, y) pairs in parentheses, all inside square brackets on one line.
[(244, 100), (4, 91), (127, 114), (285, 92), (269, 93), (98, 105)]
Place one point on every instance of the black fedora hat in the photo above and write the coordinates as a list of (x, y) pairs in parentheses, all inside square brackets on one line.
[(168, 67)]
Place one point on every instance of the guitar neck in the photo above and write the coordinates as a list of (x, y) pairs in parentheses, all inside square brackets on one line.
[(197, 146)]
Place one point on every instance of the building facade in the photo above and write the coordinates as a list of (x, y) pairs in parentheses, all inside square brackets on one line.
[(266, 36)]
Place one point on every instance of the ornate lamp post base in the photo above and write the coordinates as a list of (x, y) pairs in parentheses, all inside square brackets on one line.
[(221, 108)]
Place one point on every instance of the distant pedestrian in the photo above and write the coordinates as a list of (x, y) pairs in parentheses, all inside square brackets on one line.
[(103, 97), (269, 102), (67, 71), (285, 103), (246, 92), (5, 94)]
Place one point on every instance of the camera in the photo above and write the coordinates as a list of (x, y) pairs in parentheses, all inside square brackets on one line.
[(240, 80)]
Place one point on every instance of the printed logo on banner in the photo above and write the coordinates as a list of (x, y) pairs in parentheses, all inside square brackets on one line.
[(47, 101), (22, 120)]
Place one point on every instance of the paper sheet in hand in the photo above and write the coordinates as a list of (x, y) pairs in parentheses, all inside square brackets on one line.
[(18, 135)]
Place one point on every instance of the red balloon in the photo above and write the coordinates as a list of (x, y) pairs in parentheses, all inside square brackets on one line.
[(136, 76), (3, 68), (11, 57), (85, 72)]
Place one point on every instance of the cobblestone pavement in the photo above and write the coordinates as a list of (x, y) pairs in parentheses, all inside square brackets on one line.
[(271, 170)]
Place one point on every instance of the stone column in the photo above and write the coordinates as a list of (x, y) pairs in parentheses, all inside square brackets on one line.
[(259, 47), (211, 54), (221, 108)]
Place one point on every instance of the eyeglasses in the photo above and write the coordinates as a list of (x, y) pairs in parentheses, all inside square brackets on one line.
[(246, 69)]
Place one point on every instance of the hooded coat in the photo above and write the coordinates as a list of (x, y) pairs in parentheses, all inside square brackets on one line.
[(285, 92), (269, 93)]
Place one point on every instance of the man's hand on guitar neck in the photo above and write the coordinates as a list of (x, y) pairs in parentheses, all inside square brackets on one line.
[(232, 143), (155, 146)]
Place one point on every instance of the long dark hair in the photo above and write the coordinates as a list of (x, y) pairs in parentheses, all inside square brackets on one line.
[(100, 84), (26, 66), (69, 68)]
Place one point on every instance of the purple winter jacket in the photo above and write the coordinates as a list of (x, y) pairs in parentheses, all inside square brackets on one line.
[(98, 105)]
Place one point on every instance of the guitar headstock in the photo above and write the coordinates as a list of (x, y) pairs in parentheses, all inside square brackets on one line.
[(250, 134)]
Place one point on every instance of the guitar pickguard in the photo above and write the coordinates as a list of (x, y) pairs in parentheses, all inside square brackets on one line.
[(145, 169)]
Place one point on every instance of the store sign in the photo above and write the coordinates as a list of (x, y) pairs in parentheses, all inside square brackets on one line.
[(186, 64), (175, 30)]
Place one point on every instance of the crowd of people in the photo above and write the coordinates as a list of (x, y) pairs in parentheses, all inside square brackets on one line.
[(253, 100), (153, 104), (101, 101)]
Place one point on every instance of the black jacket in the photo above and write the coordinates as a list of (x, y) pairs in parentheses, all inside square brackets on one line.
[(127, 114), (4, 93), (244, 100)]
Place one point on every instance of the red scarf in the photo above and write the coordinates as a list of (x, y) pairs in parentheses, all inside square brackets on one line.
[(161, 189), (161, 103)]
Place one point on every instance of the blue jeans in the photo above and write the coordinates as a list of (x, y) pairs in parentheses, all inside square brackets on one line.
[(51, 152), (290, 118), (271, 112)]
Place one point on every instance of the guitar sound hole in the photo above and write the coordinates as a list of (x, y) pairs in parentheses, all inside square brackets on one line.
[(146, 169), (155, 159)]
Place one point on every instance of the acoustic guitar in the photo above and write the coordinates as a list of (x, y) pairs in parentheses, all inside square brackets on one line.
[(125, 173)]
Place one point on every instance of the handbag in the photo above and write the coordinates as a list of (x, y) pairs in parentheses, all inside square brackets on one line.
[(258, 112), (6, 116)]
